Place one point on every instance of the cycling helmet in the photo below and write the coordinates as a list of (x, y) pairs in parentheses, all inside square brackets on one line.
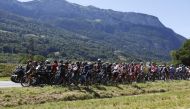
[(99, 60)]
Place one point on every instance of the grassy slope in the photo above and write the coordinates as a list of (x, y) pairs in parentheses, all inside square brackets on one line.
[(4, 78), (151, 95), (169, 100)]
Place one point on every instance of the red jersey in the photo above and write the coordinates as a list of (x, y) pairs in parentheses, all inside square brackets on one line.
[(54, 68)]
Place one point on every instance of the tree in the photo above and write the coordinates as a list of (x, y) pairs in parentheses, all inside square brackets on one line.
[(31, 46), (182, 56)]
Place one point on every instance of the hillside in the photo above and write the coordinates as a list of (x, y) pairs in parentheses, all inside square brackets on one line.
[(84, 32), (23, 35)]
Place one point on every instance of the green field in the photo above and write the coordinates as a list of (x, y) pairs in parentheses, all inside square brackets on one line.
[(170, 94)]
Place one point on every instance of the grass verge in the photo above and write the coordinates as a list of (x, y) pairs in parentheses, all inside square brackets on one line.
[(4, 78), (168, 100), (150, 95)]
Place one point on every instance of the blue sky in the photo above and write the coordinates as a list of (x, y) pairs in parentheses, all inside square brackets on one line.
[(174, 14)]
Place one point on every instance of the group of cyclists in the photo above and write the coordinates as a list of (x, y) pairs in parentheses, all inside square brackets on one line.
[(87, 73)]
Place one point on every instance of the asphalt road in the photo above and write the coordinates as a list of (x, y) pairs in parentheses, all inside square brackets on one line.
[(6, 84)]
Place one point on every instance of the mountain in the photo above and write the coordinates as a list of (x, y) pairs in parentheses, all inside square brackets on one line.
[(23, 35), (85, 31)]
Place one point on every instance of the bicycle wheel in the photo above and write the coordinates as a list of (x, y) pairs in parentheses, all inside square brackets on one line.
[(54, 80), (25, 82)]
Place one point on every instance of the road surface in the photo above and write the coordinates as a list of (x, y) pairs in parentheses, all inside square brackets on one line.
[(6, 84)]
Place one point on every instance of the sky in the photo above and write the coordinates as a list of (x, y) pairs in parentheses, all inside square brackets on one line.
[(174, 14)]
